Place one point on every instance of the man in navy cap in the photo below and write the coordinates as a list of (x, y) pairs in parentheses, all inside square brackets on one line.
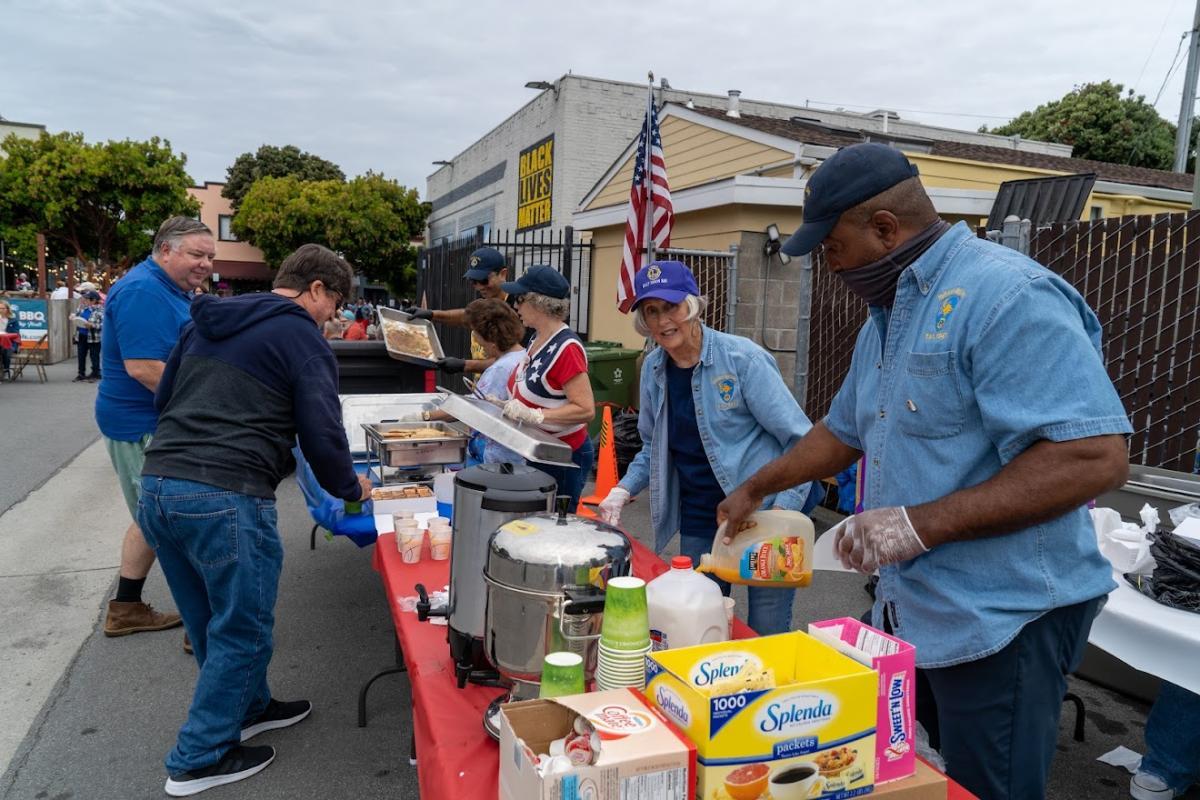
[(979, 404), (487, 272)]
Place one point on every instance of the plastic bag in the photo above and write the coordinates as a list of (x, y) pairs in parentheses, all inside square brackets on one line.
[(1176, 580), (1180, 513), (1124, 544), (626, 439)]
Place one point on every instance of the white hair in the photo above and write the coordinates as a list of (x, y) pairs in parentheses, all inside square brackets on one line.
[(695, 307), (555, 307)]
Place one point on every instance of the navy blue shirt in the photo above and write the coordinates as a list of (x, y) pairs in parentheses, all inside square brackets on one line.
[(699, 500)]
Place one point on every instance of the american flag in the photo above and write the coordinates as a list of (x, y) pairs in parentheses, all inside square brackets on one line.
[(635, 224)]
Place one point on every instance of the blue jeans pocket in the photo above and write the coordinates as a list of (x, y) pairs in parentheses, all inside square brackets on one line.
[(211, 538)]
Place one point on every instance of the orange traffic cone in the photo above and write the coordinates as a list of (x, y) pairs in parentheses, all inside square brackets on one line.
[(606, 463)]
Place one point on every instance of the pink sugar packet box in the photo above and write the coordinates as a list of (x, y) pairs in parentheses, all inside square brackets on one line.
[(895, 661)]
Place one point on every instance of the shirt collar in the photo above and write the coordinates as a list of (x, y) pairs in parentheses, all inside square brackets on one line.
[(161, 276), (926, 269)]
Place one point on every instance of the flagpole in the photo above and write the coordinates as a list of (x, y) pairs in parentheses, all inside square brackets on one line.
[(648, 128)]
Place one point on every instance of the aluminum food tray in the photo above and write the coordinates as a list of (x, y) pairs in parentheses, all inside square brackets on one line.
[(450, 448), (527, 441), (434, 342)]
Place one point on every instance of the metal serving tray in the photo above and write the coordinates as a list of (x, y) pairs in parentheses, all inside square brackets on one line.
[(525, 440), (365, 408), (434, 342), (449, 448)]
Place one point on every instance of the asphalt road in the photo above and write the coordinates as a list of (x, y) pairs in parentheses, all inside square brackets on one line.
[(91, 718)]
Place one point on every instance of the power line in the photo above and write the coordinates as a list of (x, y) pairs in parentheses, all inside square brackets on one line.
[(1154, 47)]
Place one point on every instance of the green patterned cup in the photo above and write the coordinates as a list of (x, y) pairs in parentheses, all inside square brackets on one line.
[(626, 623), (562, 674)]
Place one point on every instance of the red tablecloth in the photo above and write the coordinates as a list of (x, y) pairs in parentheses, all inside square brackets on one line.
[(8, 339), (455, 756)]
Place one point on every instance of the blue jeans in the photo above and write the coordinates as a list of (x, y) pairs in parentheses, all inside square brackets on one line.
[(770, 609), (221, 554), (571, 481), (1173, 737)]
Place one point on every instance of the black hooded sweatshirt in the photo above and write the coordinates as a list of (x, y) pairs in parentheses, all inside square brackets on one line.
[(249, 376)]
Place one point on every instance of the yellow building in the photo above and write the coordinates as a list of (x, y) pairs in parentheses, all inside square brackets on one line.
[(732, 177)]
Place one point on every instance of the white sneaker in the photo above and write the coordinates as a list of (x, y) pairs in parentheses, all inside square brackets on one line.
[(1148, 786)]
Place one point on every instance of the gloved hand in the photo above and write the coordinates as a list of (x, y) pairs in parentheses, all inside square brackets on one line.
[(514, 409), (411, 416), (877, 537), (452, 365), (610, 507), (418, 313)]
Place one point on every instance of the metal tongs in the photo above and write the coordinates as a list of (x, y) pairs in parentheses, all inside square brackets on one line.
[(470, 384)]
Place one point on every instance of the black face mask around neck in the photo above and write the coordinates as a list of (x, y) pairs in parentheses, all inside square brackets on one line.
[(876, 282)]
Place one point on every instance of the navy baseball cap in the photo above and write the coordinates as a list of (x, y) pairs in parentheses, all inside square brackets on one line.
[(540, 279), (484, 262), (671, 281), (850, 176), (92, 295)]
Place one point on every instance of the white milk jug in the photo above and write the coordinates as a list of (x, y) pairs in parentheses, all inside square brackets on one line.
[(685, 608)]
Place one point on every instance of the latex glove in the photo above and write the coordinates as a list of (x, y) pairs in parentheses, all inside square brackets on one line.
[(452, 365), (514, 409), (877, 537), (418, 313), (610, 507)]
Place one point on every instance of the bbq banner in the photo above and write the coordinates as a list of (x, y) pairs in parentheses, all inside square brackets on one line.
[(534, 192)]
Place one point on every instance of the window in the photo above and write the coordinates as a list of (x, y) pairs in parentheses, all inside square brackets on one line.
[(224, 232), (1096, 212)]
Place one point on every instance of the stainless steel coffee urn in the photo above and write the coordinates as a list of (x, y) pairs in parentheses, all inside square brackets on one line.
[(545, 577), (485, 498)]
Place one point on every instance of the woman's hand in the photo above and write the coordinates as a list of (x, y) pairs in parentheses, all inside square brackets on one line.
[(610, 507), (514, 409)]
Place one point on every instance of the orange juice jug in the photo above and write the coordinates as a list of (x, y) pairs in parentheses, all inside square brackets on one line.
[(773, 548)]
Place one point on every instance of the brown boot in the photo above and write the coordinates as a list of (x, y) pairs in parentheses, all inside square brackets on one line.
[(126, 618), (187, 645)]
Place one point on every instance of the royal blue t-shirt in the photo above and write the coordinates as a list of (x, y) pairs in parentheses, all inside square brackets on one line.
[(143, 316), (698, 504)]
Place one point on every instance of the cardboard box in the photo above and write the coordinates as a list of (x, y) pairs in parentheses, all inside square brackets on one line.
[(812, 735), (414, 504), (925, 783), (895, 661), (642, 755)]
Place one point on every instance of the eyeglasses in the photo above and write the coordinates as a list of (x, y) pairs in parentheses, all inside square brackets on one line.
[(478, 283), (520, 299)]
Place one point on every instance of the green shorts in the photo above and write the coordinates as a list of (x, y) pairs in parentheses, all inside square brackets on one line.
[(127, 459)]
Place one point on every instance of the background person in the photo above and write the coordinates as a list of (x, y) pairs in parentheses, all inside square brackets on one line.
[(1172, 761), (9, 324), (88, 319), (713, 409), (145, 312), (550, 387), (979, 398)]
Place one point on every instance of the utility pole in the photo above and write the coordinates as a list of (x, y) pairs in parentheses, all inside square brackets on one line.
[(1187, 106)]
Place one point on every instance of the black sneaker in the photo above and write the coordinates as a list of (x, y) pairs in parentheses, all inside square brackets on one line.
[(277, 715), (238, 764), (79, 379)]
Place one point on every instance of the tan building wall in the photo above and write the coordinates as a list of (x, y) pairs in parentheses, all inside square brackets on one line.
[(235, 260)]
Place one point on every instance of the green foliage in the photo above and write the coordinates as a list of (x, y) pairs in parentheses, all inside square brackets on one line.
[(1102, 125), (275, 162), (99, 202), (370, 220)]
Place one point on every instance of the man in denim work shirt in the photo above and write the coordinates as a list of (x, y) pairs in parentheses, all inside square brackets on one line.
[(978, 397)]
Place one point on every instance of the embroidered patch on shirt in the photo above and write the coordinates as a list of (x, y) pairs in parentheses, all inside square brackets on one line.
[(726, 386), (947, 302)]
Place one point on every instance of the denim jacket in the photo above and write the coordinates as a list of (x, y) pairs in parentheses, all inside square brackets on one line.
[(745, 414), (983, 353)]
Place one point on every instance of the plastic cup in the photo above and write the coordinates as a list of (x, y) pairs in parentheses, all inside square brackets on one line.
[(729, 617), (626, 623), (562, 674), (439, 544), (409, 541)]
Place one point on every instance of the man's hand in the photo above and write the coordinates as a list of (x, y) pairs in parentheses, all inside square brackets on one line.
[(877, 537), (514, 409), (364, 483), (452, 365), (734, 509), (610, 507), (418, 313)]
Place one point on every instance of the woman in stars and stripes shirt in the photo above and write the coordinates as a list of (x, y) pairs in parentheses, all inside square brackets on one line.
[(550, 388)]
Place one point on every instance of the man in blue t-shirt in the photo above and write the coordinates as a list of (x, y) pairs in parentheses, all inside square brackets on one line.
[(144, 314)]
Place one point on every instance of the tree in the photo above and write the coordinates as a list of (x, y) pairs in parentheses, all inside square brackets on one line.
[(275, 162), (1102, 125), (370, 220), (100, 202)]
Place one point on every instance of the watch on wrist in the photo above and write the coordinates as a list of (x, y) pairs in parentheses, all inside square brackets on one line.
[(425, 416)]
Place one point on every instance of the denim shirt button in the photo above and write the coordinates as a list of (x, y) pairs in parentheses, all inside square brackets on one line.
[(882, 414)]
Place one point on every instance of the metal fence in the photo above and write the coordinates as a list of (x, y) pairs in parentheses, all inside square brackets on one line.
[(1140, 274), (716, 275)]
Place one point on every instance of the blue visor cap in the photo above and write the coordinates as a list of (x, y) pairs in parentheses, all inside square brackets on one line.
[(671, 281), (850, 176), (483, 263), (540, 279)]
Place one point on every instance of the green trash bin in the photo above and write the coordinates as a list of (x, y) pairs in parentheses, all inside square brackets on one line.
[(612, 368)]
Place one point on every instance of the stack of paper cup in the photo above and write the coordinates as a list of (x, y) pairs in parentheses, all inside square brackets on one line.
[(409, 539), (624, 636), (439, 538)]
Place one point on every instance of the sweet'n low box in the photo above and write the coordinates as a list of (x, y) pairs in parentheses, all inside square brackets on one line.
[(801, 726)]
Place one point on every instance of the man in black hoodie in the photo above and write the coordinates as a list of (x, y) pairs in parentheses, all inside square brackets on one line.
[(250, 375)]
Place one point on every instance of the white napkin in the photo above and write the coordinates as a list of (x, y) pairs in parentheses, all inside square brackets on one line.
[(1122, 757)]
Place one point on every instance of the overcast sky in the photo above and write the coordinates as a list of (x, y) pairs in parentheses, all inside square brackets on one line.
[(392, 86)]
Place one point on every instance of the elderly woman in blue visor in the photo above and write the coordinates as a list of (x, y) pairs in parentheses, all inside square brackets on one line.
[(714, 408)]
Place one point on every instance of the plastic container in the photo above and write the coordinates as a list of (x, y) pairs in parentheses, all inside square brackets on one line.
[(443, 490), (612, 370), (685, 608), (774, 548)]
